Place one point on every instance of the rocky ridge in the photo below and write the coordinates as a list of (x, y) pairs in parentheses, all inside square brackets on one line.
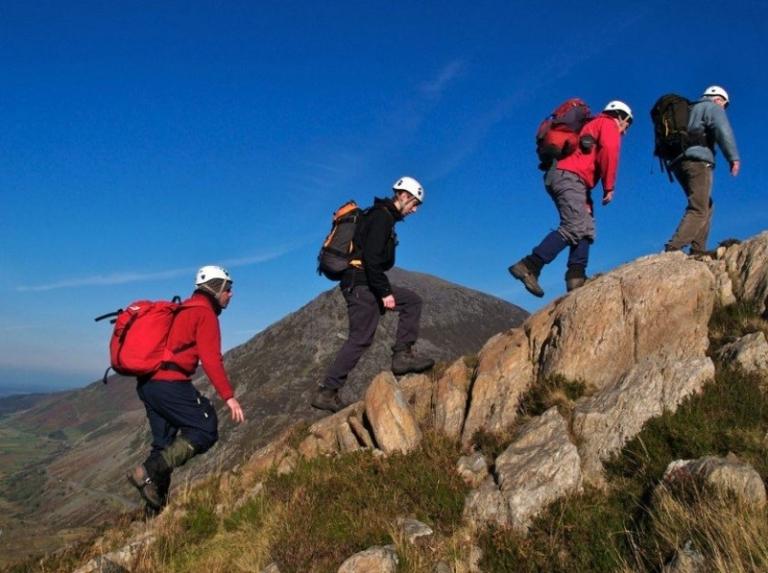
[(636, 341)]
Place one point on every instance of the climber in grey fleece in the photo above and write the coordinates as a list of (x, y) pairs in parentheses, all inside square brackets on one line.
[(707, 123)]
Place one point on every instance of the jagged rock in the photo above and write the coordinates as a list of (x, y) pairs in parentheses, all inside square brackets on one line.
[(473, 469), (331, 434), (750, 353), (603, 423), (451, 394), (372, 560), (413, 530), (102, 565), (271, 568), (121, 560), (288, 462), (539, 467), (486, 506), (659, 305), (270, 455), (361, 432), (747, 264), (417, 391), (249, 495), (723, 474), (348, 441), (687, 560), (504, 373), (394, 425), (723, 287)]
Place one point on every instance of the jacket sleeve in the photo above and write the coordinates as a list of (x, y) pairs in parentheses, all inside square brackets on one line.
[(209, 351), (375, 259), (610, 145), (723, 132)]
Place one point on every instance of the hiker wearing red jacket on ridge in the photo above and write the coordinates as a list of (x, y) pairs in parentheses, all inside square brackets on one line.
[(183, 421), (569, 183)]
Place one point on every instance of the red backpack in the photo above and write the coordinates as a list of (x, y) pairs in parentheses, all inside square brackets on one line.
[(558, 134), (138, 346)]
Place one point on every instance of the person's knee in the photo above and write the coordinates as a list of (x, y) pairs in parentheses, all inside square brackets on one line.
[(204, 440)]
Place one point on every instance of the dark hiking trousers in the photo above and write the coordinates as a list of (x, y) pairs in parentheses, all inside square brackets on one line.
[(363, 309), (695, 178), (174, 407)]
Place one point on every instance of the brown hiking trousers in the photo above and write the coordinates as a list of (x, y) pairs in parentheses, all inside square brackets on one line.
[(695, 178)]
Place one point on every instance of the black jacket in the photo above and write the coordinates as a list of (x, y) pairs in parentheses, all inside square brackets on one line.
[(376, 240)]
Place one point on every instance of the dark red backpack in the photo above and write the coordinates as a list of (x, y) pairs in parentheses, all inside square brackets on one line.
[(138, 346), (558, 134)]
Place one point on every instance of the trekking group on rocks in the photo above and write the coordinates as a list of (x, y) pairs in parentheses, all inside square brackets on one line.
[(162, 343)]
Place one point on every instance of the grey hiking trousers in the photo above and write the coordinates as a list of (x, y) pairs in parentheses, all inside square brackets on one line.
[(695, 178), (363, 309), (574, 205)]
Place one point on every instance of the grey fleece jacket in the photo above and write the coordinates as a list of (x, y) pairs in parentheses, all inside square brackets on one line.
[(708, 117)]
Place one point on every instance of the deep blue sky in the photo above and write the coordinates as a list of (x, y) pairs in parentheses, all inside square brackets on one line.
[(141, 140)]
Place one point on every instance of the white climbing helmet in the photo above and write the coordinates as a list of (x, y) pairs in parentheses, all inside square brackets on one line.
[(716, 91), (617, 105), (410, 185), (210, 272)]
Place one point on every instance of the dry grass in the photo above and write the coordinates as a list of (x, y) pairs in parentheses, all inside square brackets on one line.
[(732, 537)]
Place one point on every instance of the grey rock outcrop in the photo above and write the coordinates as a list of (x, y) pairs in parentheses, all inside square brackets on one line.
[(687, 560), (372, 560), (334, 433), (120, 560), (605, 422), (413, 530), (750, 353), (394, 424), (486, 506), (473, 469), (657, 307), (504, 373), (722, 474), (417, 391), (539, 467), (747, 265), (451, 394)]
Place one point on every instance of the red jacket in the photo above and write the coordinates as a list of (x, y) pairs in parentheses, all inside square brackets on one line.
[(196, 331), (603, 160)]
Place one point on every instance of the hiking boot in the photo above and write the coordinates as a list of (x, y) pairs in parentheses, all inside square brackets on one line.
[(575, 277), (140, 479), (406, 361), (327, 399), (529, 278)]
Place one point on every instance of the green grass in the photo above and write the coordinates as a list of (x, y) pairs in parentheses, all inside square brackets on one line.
[(330, 508), (339, 507)]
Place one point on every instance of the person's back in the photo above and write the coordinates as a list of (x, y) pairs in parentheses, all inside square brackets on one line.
[(183, 422), (708, 126), (569, 183)]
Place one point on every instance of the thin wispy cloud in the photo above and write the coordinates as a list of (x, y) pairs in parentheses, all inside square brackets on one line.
[(436, 86), (119, 278)]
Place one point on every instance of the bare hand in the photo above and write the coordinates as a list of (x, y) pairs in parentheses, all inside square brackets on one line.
[(236, 410), (735, 167), (607, 197), (388, 302)]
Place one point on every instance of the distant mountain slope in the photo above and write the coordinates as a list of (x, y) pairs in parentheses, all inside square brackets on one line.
[(94, 434)]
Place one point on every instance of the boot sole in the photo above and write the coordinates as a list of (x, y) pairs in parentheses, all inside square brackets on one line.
[(140, 487), (522, 278), (411, 370), (325, 407)]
